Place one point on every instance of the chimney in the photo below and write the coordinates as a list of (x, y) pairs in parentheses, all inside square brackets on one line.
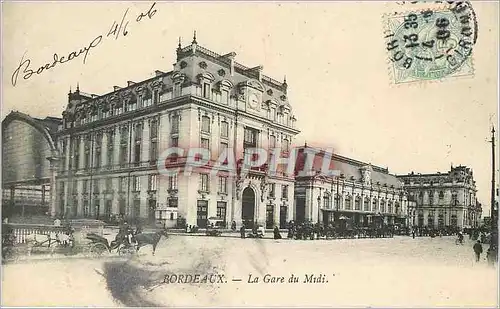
[(231, 56), (158, 73), (130, 83), (115, 88), (259, 72)]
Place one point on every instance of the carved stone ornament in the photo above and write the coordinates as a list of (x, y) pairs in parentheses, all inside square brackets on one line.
[(239, 183), (203, 65), (221, 72), (263, 188), (270, 92), (183, 64)]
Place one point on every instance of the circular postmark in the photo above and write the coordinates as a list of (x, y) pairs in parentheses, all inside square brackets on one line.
[(431, 44)]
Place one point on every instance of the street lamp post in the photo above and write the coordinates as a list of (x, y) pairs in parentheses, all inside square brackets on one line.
[(494, 211)]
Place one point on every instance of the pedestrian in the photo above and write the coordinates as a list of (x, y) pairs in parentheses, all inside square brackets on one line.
[(277, 234), (478, 249), (242, 231), (413, 233)]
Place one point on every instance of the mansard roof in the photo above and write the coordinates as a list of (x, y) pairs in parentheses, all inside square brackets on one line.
[(194, 61), (351, 169)]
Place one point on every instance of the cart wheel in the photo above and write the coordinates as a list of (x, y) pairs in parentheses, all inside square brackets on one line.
[(98, 250)]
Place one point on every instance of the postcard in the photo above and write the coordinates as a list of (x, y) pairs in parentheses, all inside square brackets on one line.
[(250, 154)]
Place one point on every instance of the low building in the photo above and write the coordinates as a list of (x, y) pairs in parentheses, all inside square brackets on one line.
[(444, 199), (29, 164), (360, 193)]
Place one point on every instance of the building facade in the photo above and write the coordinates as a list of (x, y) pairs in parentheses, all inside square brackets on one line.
[(361, 193), (112, 145), (444, 199), (29, 164)]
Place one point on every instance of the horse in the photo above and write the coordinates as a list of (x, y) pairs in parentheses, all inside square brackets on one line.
[(144, 239)]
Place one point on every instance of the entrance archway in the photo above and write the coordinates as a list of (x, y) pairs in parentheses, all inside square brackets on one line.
[(248, 207)]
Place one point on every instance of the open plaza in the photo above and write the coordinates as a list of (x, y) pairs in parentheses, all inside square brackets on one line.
[(383, 272)]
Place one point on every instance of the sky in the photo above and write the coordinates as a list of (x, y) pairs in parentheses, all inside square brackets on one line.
[(332, 53)]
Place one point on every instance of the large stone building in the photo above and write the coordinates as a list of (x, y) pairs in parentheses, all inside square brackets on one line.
[(29, 164), (110, 144), (361, 193), (444, 199)]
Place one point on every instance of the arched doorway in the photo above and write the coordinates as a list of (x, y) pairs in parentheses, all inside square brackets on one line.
[(248, 207)]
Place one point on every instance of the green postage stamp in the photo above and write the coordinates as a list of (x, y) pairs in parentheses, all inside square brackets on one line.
[(431, 44)]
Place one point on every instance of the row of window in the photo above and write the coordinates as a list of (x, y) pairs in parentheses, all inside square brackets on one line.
[(223, 97), (93, 148), (141, 101), (337, 202), (135, 184)]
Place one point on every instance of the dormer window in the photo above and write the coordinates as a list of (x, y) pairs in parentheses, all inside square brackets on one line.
[(147, 99), (206, 90), (156, 96), (177, 89)]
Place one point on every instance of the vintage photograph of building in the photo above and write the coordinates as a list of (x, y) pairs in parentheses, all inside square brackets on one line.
[(264, 147)]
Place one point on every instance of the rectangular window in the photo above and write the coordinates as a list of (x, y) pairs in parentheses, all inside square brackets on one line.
[(225, 96), (205, 124), (222, 184), (153, 156), (348, 203), (147, 102), (172, 182), (177, 90), (175, 124), (110, 155), (224, 129), (109, 185), (221, 210), (153, 129), (155, 97), (286, 145), (205, 143), (98, 157), (86, 186), (250, 138), (137, 153), (153, 182), (95, 186), (272, 141), (75, 187), (272, 192), (174, 142), (284, 192), (204, 182), (123, 155), (122, 184), (206, 90), (173, 202), (357, 203), (136, 183), (137, 209)]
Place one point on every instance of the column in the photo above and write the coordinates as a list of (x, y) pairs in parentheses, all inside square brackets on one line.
[(116, 146), (145, 157), (104, 150), (53, 192), (81, 152)]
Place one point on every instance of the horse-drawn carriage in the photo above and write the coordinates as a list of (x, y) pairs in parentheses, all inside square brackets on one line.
[(126, 242), (100, 245)]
